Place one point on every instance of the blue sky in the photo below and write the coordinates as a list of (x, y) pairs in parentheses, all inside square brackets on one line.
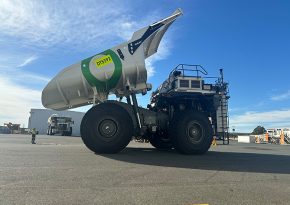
[(250, 40)]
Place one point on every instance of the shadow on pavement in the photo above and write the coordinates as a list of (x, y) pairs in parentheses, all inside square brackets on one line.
[(221, 161)]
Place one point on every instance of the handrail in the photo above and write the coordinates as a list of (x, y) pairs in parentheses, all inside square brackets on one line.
[(196, 68)]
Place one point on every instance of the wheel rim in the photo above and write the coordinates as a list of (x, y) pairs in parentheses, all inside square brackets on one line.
[(195, 132), (107, 129)]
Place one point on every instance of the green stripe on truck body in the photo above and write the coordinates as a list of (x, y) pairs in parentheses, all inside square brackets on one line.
[(103, 85)]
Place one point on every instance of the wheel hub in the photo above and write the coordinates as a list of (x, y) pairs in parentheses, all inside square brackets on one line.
[(107, 128), (194, 132)]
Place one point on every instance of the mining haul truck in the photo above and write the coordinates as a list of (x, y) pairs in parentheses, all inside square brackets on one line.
[(185, 112), (59, 125)]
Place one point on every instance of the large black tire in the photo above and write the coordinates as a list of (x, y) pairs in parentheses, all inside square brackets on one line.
[(106, 128), (191, 132), (160, 141)]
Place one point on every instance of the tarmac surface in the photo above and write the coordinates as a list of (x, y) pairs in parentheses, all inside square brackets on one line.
[(61, 170)]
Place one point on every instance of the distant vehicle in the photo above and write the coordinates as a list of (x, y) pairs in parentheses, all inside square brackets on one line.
[(4, 130), (14, 128), (275, 132), (59, 125)]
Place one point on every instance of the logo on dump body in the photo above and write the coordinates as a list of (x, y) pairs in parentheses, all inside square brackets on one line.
[(105, 60), (108, 57)]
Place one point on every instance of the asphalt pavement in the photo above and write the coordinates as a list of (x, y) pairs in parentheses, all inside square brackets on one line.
[(61, 170)]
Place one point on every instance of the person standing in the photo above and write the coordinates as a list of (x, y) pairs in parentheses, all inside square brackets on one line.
[(33, 135)]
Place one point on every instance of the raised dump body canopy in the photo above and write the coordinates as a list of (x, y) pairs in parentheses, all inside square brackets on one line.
[(119, 70)]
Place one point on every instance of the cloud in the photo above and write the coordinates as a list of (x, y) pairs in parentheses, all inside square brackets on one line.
[(249, 120), (81, 24), (281, 97), (15, 59), (27, 61), (10, 64), (16, 101), (19, 90), (163, 53)]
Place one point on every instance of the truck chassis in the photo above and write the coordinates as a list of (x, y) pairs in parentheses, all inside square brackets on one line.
[(184, 113)]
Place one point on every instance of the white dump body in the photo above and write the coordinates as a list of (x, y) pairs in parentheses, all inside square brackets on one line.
[(119, 70)]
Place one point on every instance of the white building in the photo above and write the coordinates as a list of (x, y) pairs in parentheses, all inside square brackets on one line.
[(38, 119)]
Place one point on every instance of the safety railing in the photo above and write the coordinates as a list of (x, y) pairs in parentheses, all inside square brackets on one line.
[(188, 69)]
